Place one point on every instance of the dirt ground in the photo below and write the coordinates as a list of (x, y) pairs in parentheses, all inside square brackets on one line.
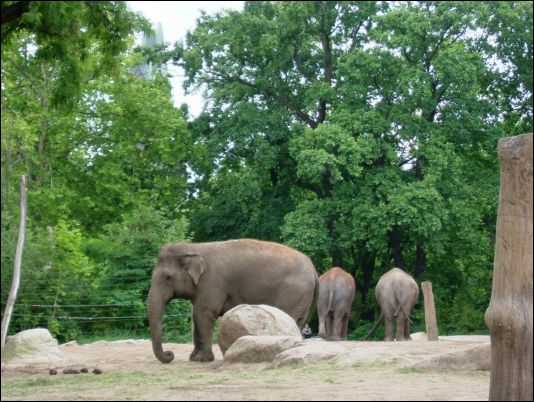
[(131, 372)]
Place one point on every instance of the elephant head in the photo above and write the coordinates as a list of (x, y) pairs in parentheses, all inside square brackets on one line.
[(176, 274)]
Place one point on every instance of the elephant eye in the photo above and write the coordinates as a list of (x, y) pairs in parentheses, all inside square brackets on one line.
[(168, 277)]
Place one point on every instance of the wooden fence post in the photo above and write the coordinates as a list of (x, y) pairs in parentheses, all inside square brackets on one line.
[(16, 270), (509, 315), (430, 312)]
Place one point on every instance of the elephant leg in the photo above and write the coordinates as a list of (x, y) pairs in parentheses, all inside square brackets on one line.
[(345, 326), (329, 325), (204, 323), (407, 330), (323, 318), (389, 328), (322, 326), (337, 326), (401, 320)]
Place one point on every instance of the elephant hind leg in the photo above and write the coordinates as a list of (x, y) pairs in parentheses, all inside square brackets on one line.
[(345, 327), (329, 325), (388, 320), (407, 330), (401, 323), (338, 327)]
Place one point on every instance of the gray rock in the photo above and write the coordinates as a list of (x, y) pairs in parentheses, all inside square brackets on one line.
[(247, 319), (33, 344), (475, 358), (310, 352), (257, 349)]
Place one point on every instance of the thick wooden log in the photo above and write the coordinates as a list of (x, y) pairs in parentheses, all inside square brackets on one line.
[(430, 312), (509, 315)]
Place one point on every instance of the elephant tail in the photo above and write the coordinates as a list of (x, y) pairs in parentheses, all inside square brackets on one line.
[(377, 323), (330, 297), (316, 292), (401, 307), (316, 297)]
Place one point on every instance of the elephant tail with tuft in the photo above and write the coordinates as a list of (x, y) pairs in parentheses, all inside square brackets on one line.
[(377, 323), (315, 296), (401, 296), (330, 297)]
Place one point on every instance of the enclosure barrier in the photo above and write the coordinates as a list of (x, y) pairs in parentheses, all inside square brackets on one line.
[(431, 323)]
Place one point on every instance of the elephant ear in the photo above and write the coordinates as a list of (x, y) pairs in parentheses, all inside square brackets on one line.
[(197, 266)]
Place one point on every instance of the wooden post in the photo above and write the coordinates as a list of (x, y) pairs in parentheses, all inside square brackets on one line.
[(16, 270), (509, 315), (430, 312)]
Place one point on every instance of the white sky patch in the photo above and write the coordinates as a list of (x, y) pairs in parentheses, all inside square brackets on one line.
[(177, 18)]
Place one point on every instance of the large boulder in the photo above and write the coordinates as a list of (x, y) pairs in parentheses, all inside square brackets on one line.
[(257, 349), (310, 351), (247, 319), (474, 358), (32, 345)]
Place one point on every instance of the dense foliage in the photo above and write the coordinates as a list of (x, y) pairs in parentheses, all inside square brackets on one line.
[(361, 133)]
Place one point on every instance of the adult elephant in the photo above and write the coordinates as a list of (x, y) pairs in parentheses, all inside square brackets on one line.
[(336, 293), (221, 275), (396, 293)]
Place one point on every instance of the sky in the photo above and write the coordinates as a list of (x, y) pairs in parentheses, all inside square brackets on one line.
[(176, 18)]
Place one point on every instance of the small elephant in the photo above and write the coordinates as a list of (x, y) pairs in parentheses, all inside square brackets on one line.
[(221, 275), (396, 293), (336, 293)]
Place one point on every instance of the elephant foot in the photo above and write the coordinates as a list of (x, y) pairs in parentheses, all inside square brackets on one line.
[(202, 356)]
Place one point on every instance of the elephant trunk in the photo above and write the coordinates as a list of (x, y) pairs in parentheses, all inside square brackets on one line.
[(156, 307)]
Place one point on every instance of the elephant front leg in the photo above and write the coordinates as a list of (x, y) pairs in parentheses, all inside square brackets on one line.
[(204, 323)]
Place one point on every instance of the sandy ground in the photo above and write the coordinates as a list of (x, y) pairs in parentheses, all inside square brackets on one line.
[(131, 372)]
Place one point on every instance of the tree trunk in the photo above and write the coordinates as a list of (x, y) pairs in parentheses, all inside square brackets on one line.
[(396, 249), (367, 263), (420, 259), (509, 315), (18, 258)]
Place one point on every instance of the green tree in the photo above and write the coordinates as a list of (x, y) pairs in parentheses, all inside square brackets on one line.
[(388, 119), (69, 34), (117, 155)]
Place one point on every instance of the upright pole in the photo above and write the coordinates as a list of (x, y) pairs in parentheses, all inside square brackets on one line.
[(430, 312), (18, 258), (509, 315)]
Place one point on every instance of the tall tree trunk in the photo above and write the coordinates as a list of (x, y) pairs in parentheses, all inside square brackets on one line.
[(18, 259), (367, 263), (396, 250), (420, 259)]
